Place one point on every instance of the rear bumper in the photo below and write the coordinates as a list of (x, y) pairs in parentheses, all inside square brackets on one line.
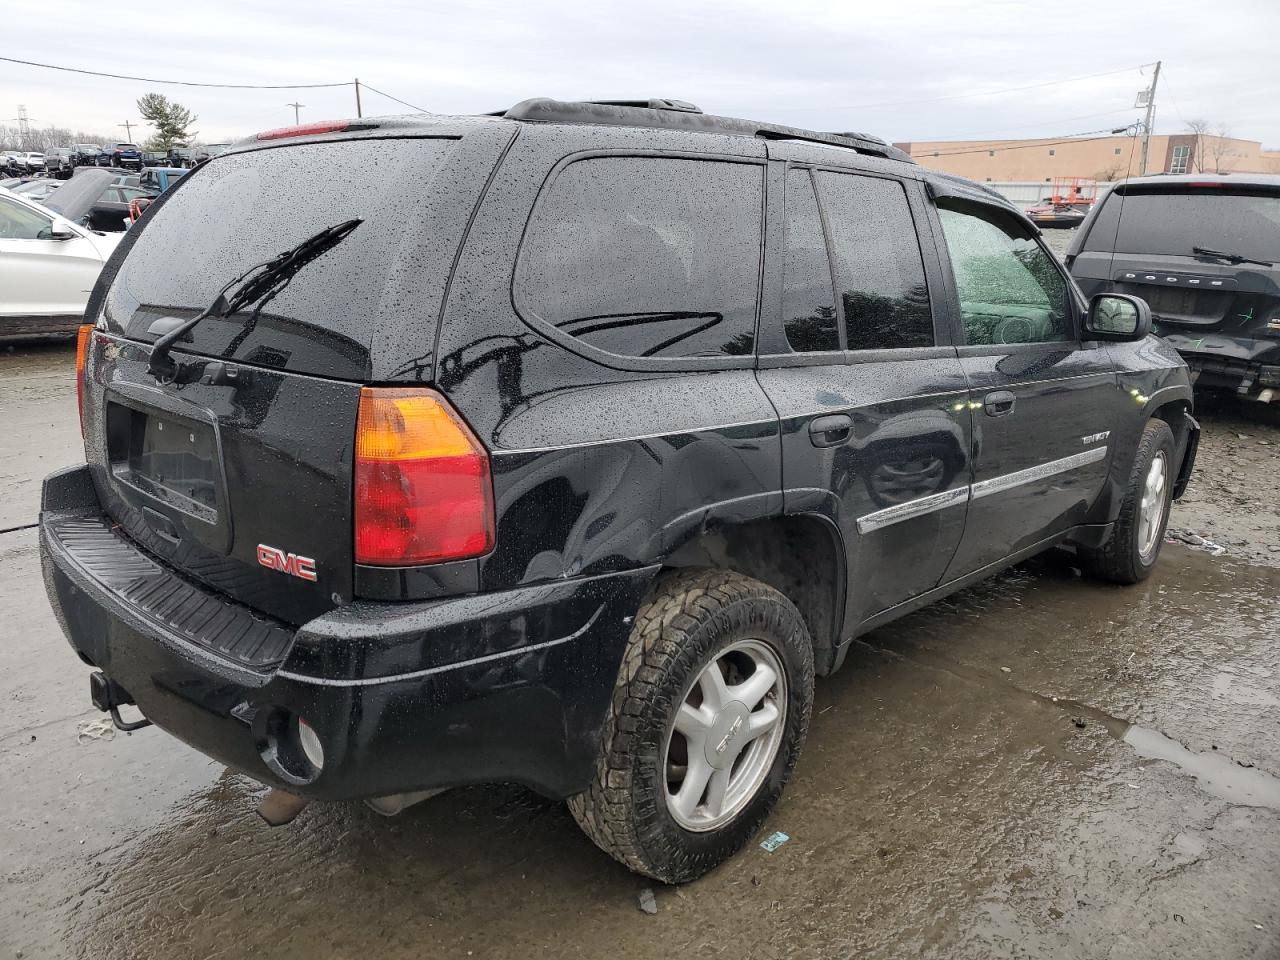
[(1240, 365), (509, 686)]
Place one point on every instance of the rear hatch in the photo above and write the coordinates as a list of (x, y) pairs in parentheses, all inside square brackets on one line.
[(1143, 241), (239, 472)]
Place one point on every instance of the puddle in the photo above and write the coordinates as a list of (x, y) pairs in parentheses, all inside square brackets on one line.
[(1228, 686), (1215, 774)]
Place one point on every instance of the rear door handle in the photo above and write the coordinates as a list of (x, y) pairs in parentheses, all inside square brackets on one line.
[(998, 404), (830, 431)]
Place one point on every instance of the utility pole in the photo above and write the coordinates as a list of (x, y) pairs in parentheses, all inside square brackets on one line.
[(296, 108), (128, 129), (1151, 110), (24, 126), (358, 113)]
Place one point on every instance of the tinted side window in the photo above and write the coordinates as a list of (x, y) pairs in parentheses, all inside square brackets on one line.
[(1010, 289), (647, 256), (808, 303), (879, 270)]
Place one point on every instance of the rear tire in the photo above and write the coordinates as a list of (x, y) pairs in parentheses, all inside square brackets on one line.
[(1131, 553), (705, 645)]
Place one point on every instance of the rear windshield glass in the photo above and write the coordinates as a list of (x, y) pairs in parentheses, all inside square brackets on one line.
[(1167, 223), (245, 208)]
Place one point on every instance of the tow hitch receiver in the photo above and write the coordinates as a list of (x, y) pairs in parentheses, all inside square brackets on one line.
[(108, 696)]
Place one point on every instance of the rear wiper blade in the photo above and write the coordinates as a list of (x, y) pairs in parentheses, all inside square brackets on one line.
[(259, 281), (1232, 257)]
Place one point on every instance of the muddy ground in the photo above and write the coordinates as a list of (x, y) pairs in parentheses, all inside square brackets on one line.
[(1036, 767), (1232, 501)]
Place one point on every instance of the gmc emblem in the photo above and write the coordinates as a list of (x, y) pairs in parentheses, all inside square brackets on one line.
[(273, 558)]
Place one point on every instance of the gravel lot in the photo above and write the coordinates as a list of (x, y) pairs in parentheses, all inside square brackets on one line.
[(1036, 767)]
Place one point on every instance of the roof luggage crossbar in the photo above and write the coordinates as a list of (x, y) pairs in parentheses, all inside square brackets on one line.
[(669, 114)]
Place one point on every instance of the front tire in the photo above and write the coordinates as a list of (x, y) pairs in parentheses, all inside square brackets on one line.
[(710, 711), (1131, 553)]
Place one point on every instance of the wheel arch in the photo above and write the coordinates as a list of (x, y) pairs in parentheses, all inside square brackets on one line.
[(1173, 405), (801, 556)]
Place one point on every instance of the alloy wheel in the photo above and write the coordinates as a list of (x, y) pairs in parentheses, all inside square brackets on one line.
[(725, 735), (1152, 506)]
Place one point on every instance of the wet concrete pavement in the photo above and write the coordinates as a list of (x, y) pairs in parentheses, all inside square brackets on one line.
[(39, 428), (1037, 767)]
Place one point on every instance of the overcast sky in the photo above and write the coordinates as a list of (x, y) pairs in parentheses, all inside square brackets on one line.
[(833, 66)]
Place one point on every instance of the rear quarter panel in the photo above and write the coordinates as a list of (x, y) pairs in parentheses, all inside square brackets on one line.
[(594, 468)]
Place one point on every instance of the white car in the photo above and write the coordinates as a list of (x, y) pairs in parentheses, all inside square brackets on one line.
[(48, 266), (32, 161)]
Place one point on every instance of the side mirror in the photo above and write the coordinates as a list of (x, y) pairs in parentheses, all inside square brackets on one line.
[(56, 232), (1118, 316)]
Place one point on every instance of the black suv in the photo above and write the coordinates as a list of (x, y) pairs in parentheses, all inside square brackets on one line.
[(127, 155), (86, 155), (566, 446), (1204, 251)]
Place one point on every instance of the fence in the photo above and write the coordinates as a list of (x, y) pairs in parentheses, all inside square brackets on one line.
[(1026, 192)]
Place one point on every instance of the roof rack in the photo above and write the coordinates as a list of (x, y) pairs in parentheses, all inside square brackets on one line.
[(681, 115)]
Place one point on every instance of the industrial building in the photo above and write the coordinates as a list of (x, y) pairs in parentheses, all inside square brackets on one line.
[(1102, 158)]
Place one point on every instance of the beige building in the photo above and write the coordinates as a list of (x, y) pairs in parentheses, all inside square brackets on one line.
[(1098, 158)]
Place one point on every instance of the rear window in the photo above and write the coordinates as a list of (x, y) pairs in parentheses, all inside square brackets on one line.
[(242, 209), (1170, 223), (647, 256)]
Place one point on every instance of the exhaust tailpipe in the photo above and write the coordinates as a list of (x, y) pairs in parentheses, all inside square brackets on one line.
[(389, 806), (279, 807)]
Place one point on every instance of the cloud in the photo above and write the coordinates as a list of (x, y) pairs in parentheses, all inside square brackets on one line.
[(825, 65)]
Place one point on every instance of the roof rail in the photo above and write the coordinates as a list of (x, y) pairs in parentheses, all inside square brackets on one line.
[(681, 115)]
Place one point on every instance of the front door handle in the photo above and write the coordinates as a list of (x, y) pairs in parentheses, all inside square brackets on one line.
[(830, 431), (998, 404)]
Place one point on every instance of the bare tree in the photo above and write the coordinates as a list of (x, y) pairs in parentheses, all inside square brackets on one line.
[(1213, 151), (41, 139), (1221, 150), (1200, 127)]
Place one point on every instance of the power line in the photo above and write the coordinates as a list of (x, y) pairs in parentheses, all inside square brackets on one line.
[(181, 83), (396, 99), (1025, 126), (1169, 89), (993, 93), (1072, 138)]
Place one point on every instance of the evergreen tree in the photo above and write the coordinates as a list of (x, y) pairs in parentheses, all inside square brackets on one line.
[(171, 119)]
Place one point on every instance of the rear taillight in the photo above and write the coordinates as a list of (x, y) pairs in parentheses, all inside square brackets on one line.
[(82, 351), (423, 490)]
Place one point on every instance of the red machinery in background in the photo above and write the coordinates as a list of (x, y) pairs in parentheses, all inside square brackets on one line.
[(1071, 199)]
